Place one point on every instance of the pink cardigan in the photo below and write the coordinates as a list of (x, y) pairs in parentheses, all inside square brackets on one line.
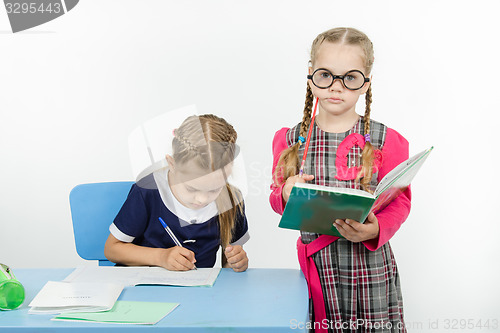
[(394, 151)]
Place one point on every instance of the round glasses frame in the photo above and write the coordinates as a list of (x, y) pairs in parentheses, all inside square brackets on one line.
[(340, 77)]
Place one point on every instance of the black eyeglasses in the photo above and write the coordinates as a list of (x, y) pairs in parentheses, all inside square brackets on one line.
[(352, 80)]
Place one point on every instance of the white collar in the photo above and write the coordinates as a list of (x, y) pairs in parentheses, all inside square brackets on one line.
[(191, 216)]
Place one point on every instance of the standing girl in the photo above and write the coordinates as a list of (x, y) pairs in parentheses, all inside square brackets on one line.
[(191, 194), (353, 281)]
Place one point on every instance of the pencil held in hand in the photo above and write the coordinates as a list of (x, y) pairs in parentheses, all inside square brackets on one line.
[(171, 234)]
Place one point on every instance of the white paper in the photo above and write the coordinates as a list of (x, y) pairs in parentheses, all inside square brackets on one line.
[(404, 172), (58, 297), (132, 276)]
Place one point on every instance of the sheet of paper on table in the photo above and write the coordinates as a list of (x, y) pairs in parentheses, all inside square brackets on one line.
[(124, 312), (58, 297)]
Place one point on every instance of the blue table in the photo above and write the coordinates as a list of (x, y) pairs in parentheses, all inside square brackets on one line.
[(258, 300)]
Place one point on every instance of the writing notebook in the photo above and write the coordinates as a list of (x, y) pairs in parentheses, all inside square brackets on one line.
[(133, 276), (124, 312), (314, 208)]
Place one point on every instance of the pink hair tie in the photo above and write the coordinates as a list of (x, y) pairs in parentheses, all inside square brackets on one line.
[(367, 138)]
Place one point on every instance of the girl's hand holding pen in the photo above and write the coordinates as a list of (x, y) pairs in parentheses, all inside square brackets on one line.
[(236, 258), (287, 189), (177, 259)]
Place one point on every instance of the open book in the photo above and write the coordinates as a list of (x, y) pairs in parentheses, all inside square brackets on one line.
[(59, 297), (314, 208), (134, 275)]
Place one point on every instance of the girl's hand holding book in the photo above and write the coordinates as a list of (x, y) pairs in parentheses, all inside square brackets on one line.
[(287, 189), (358, 232), (236, 258)]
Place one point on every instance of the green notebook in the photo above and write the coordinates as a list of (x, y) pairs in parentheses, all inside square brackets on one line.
[(314, 208), (124, 312)]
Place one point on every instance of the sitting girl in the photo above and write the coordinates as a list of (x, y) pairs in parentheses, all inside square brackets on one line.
[(191, 194)]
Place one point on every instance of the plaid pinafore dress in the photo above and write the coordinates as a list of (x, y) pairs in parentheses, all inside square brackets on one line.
[(361, 288)]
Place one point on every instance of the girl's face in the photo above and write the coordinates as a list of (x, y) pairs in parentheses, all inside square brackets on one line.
[(193, 187), (339, 59)]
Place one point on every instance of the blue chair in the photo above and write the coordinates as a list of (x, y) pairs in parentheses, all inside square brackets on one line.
[(93, 209)]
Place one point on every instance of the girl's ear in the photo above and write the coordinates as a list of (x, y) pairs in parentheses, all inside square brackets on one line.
[(170, 161), (366, 86), (309, 82)]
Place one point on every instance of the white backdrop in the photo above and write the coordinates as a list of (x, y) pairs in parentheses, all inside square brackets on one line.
[(72, 90)]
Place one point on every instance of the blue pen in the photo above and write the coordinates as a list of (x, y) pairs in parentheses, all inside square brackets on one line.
[(171, 234)]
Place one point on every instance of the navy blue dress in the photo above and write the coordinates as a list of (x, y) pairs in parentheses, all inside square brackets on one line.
[(138, 218)]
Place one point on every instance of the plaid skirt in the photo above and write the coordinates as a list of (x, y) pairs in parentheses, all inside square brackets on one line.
[(361, 288)]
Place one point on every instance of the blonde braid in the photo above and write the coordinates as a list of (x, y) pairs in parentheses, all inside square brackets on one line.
[(230, 200), (367, 155), (351, 36), (209, 142), (184, 141), (306, 119), (288, 164)]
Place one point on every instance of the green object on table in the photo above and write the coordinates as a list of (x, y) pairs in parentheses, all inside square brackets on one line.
[(124, 312), (11, 290)]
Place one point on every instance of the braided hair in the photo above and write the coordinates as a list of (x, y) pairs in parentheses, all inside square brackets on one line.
[(288, 164), (209, 142)]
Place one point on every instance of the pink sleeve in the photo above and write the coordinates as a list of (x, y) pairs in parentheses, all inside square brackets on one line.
[(279, 144), (394, 151)]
